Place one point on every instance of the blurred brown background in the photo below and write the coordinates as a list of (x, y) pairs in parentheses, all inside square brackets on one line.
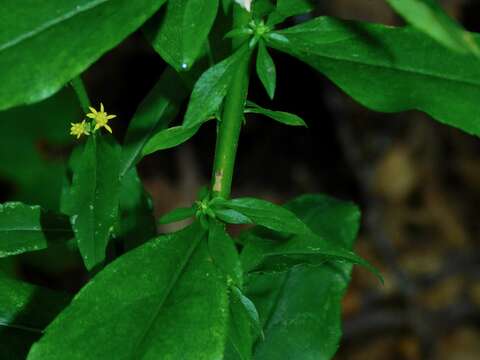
[(416, 181)]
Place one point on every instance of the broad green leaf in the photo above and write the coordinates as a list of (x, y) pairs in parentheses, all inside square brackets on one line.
[(94, 198), (429, 17), (211, 88), (224, 253), (280, 116), (44, 45), (177, 214), (154, 114), (31, 140), (169, 138), (301, 310), (25, 310), (136, 220), (266, 69), (163, 300), (374, 64), (264, 213), (25, 228), (183, 31), (288, 8)]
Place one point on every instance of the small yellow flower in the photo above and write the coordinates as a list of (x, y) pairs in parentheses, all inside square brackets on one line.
[(101, 118), (79, 129)]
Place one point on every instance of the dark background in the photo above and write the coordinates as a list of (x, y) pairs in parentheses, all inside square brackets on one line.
[(416, 181)]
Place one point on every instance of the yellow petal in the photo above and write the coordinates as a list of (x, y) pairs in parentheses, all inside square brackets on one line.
[(92, 110), (91, 116), (102, 109), (109, 129), (96, 127), (111, 117)]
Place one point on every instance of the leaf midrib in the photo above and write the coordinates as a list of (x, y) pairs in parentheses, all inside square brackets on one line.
[(50, 23), (167, 293), (394, 67)]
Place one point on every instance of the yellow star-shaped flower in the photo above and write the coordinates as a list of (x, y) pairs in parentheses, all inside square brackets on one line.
[(79, 129), (101, 118)]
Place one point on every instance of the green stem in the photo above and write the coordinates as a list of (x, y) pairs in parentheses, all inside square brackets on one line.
[(81, 92), (228, 131)]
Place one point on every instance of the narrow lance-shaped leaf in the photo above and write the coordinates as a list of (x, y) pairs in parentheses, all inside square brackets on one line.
[(139, 304), (154, 114), (211, 88), (264, 213), (25, 228), (44, 45), (169, 138), (183, 31), (429, 17), (94, 197), (389, 69), (266, 69), (280, 116), (177, 214)]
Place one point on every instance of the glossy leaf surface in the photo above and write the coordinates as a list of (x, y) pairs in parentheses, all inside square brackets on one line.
[(55, 40), (374, 64), (25, 310), (429, 17), (224, 253), (211, 88), (264, 213), (25, 228), (183, 31), (300, 310), (280, 116), (94, 197), (154, 114), (266, 69), (169, 138), (138, 305)]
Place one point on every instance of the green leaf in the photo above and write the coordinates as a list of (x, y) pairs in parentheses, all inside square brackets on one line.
[(232, 216), (169, 138), (25, 310), (211, 88), (224, 253), (25, 228), (301, 306), (94, 197), (177, 214), (240, 336), (31, 137), (288, 8), (280, 116), (250, 310), (157, 301), (374, 64), (154, 114), (183, 31), (264, 213), (266, 69), (43, 47), (136, 221), (261, 8), (429, 17)]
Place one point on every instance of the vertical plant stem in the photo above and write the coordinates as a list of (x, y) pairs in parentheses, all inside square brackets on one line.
[(228, 131), (81, 92)]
